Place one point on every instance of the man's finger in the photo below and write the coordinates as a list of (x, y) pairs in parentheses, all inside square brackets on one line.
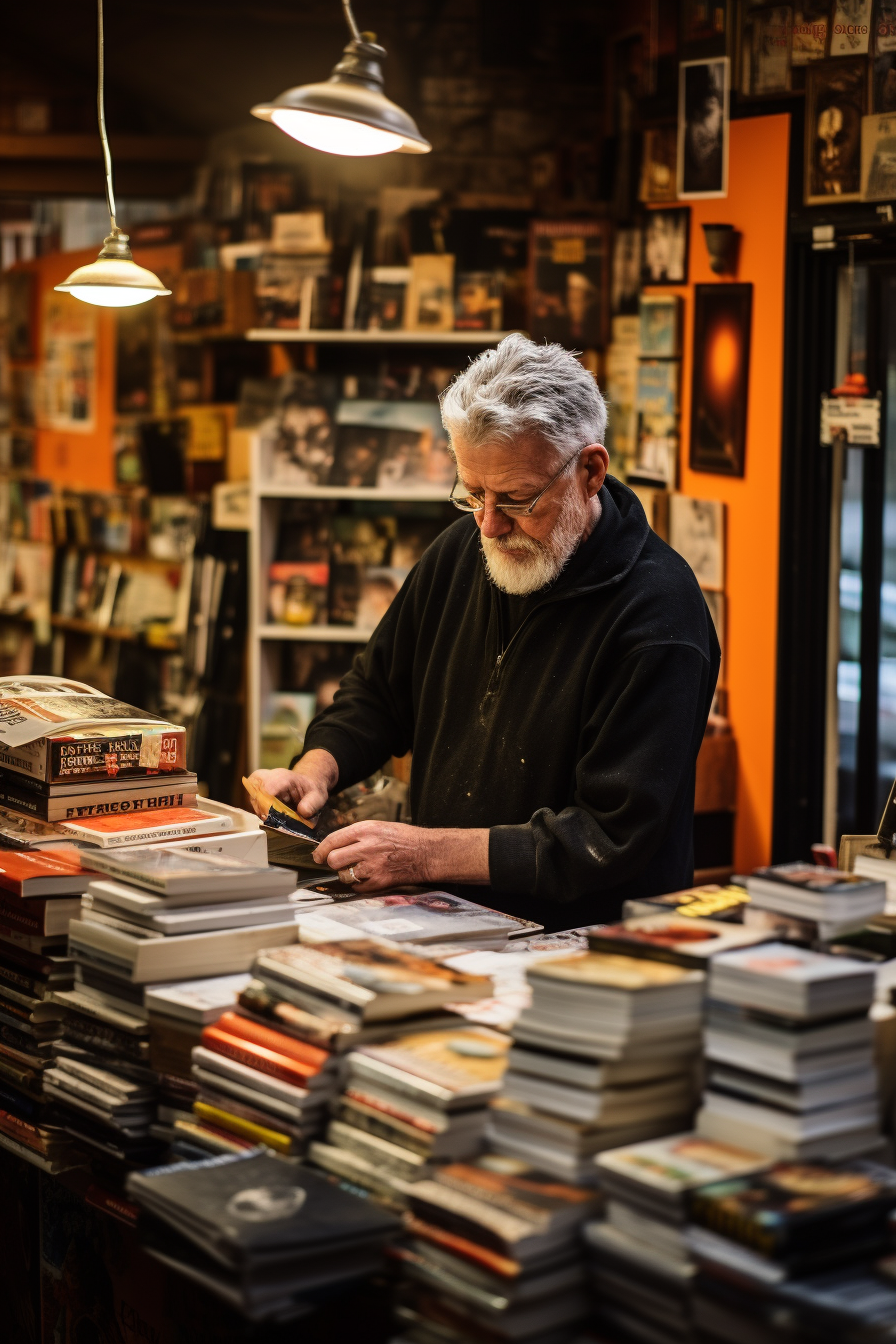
[(311, 804), (344, 858), (347, 835)]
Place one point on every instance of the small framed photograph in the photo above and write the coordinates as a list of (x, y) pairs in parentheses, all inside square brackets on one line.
[(879, 157), (430, 296), (666, 241), (836, 102), (697, 533), (625, 284), (659, 157), (660, 316), (809, 42), (569, 271), (766, 52), (851, 28), (703, 90), (657, 391), (656, 459), (721, 375)]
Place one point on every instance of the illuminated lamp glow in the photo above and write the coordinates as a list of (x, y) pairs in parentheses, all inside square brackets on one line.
[(724, 357), (106, 296), (335, 135)]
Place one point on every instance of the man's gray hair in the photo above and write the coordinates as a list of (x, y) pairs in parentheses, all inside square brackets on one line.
[(521, 389)]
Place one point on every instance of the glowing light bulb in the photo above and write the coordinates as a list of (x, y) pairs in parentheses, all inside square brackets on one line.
[(335, 135), (105, 296)]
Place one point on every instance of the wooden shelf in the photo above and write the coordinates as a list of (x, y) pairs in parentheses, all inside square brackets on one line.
[(464, 338), (337, 634), (75, 625), (354, 492)]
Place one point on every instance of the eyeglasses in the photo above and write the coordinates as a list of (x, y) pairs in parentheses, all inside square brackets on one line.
[(472, 501)]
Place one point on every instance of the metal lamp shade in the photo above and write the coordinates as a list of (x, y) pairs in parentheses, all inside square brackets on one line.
[(348, 113), (114, 280)]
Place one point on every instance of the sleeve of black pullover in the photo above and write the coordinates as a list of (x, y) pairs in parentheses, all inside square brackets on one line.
[(638, 752), (371, 717)]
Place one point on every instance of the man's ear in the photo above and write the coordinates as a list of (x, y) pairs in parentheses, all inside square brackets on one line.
[(596, 461)]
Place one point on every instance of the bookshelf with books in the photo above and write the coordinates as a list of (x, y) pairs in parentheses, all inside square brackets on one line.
[(350, 477)]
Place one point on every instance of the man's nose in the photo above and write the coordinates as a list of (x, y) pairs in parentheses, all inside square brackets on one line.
[(492, 522)]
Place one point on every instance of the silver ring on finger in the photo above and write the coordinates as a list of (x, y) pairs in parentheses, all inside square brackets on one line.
[(351, 876)]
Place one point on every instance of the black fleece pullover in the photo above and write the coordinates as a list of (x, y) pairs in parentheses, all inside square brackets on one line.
[(574, 739)]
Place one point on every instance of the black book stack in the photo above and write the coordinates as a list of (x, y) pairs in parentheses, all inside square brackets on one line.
[(265, 1235), (794, 1253)]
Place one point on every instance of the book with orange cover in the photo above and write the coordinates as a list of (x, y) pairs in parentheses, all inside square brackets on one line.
[(462, 1246), (244, 1028), (43, 873), (258, 1057), (137, 828)]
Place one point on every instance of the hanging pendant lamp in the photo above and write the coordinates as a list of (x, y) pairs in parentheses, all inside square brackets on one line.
[(348, 113), (114, 280)]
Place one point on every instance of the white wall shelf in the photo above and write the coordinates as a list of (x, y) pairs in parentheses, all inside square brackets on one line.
[(439, 496), (335, 634), (469, 338)]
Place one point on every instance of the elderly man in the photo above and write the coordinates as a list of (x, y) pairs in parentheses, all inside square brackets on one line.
[(550, 662)]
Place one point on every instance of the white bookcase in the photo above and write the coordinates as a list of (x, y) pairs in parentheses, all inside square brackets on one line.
[(265, 639)]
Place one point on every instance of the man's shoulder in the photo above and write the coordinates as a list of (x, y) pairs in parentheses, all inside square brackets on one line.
[(665, 601)]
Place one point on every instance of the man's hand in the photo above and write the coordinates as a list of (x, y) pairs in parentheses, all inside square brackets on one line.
[(375, 855), (306, 787)]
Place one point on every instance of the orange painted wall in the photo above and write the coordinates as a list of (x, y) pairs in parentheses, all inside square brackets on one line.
[(85, 461), (757, 206)]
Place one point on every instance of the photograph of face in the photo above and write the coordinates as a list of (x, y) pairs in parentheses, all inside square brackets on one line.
[(703, 128), (836, 101), (666, 247), (722, 319), (569, 282)]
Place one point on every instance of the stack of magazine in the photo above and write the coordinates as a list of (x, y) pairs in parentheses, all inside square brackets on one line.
[(605, 1055), (263, 1234), (811, 904), (68, 753), (409, 1104), (642, 1267), (789, 1253), (424, 918), (494, 1254), (789, 1049), (151, 915)]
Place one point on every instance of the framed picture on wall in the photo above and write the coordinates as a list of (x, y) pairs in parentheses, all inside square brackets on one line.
[(836, 102), (569, 274), (703, 90), (697, 532), (722, 320), (666, 240)]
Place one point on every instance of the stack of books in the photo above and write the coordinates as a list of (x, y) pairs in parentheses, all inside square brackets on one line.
[(39, 892), (429, 917), (494, 1254), (177, 916), (642, 1267), (257, 1085), (70, 753), (788, 1044), (805, 903), (605, 1055), (681, 940), (705, 902), (409, 1104), (264, 1235), (774, 1249)]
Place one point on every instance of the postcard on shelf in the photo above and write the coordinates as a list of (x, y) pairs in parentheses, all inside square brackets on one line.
[(697, 532), (384, 298), (659, 326), (298, 441), (430, 299), (657, 392), (300, 234), (569, 281), (298, 593)]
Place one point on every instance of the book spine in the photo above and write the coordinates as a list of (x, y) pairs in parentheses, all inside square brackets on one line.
[(709, 1212), (145, 753), (243, 1028), (22, 1131), (257, 1057), (30, 918), (245, 1129)]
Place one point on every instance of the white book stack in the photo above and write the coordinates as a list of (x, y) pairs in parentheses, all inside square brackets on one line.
[(605, 1055), (788, 1044)]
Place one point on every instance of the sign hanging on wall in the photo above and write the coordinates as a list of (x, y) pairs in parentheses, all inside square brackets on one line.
[(851, 420)]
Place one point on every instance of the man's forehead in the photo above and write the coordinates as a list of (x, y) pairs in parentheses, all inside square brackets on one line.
[(504, 464)]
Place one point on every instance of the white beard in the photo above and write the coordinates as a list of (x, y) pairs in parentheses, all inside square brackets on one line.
[(544, 560)]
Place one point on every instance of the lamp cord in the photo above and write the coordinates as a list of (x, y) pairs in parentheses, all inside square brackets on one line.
[(101, 114), (349, 18)]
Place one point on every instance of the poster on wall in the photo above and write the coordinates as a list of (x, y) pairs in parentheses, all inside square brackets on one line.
[(703, 128), (569, 281), (666, 239), (722, 320), (68, 378), (836, 101)]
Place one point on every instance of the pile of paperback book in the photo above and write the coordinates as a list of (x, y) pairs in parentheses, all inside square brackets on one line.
[(605, 1055), (789, 1049), (494, 1254), (811, 904), (264, 1234)]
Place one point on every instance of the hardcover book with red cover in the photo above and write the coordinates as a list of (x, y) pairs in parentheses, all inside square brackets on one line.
[(43, 873)]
